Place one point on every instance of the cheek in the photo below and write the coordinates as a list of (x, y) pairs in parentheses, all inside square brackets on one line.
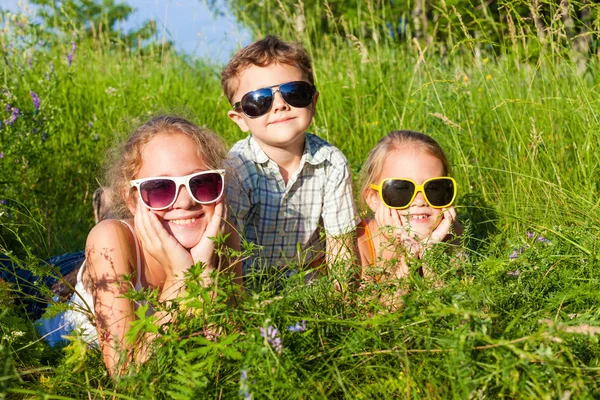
[(209, 210), (436, 217)]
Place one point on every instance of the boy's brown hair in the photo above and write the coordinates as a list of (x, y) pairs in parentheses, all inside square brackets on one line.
[(262, 53)]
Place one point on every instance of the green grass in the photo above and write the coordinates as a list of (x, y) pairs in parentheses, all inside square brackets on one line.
[(520, 125)]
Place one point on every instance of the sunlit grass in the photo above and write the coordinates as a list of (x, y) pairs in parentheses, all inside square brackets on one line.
[(520, 123)]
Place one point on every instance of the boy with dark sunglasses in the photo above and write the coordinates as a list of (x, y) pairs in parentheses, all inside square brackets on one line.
[(288, 186)]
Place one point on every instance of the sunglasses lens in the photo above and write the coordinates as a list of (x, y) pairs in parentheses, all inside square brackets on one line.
[(297, 94), (397, 192), (158, 193), (257, 102), (206, 188), (440, 192)]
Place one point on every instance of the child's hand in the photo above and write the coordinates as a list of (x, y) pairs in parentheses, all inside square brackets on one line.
[(443, 229), (155, 239), (205, 249), (391, 226)]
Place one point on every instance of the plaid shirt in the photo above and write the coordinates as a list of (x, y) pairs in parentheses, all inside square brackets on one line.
[(287, 221)]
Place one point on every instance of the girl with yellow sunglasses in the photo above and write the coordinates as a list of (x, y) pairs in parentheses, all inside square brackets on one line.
[(407, 187)]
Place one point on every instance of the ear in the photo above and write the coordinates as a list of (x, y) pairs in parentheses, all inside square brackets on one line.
[(238, 119), (313, 106), (130, 200), (372, 199)]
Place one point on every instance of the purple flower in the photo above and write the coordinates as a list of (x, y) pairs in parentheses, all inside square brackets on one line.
[(3, 202), (70, 55), (1, 154), (530, 235), (36, 101), (542, 239), (272, 336), (244, 388), (514, 273), (13, 116), (44, 136), (7, 108), (517, 252), (299, 327)]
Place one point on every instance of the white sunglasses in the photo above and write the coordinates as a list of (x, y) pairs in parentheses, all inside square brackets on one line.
[(159, 193)]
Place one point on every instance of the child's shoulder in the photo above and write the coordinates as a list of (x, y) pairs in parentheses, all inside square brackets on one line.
[(320, 149)]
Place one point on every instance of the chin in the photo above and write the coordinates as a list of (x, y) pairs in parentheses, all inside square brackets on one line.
[(422, 233), (186, 237)]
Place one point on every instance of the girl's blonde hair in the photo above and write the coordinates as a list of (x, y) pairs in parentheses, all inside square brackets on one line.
[(125, 160), (371, 169)]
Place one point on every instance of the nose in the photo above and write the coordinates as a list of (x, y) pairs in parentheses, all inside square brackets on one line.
[(419, 200), (278, 102), (184, 200)]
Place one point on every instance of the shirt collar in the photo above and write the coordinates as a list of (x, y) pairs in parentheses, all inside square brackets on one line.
[(311, 154), (256, 153)]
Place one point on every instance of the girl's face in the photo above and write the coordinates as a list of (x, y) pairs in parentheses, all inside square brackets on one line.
[(416, 164), (176, 155)]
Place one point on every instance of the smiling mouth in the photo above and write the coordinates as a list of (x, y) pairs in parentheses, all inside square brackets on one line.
[(282, 120), (183, 222), (417, 218)]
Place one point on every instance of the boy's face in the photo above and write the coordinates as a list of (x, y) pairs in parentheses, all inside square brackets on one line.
[(283, 126)]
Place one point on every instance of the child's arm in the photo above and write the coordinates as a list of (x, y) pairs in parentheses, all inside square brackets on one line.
[(109, 261), (340, 217)]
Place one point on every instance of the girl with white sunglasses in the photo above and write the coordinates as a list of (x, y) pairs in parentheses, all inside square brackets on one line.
[(166, 181)]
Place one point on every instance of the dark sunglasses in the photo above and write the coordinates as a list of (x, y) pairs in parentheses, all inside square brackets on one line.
[(258, 102), (161, 192), (399, 193)]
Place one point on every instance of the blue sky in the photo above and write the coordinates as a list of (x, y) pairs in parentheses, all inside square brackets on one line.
[(189, 24)]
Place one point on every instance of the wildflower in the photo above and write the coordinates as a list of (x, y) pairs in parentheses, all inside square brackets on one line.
[(44, 136), (3, 202), (530, 235), (30, 62), (542, 239), (514, 254), (36, 101), (244, 388), (7, 108), (299, 327), (1, 154), (70, 55), (272, 336), (95, 138), (488, 77), (13, 116), (111, 91), (514, 273)]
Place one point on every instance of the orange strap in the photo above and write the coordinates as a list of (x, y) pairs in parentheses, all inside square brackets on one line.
[(369, 240)]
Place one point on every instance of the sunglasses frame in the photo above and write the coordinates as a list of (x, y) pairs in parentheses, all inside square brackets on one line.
[(180, 181), (418, 188), (238, 105)]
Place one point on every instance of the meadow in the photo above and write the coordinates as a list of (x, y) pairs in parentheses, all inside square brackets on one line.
[(519, 117)]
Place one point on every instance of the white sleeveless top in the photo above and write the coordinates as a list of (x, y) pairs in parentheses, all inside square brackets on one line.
[(82, 313)]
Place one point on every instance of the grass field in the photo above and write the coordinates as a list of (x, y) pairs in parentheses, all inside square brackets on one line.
[(520, 122)]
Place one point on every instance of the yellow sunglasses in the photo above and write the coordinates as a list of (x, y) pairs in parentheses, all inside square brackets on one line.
[(399, 193)]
